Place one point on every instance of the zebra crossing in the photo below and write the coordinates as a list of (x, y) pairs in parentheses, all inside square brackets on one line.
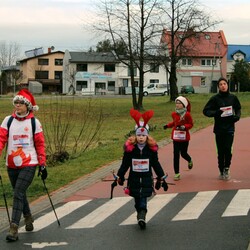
[(193, 209)]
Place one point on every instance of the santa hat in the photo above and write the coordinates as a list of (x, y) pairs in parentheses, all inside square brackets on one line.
[(141, 127), (28, 99), (185, 102)]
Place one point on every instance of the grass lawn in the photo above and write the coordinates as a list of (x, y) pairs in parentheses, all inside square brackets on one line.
[(117, 124)]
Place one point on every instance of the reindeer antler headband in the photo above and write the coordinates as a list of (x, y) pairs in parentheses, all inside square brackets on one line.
[(141, 126)]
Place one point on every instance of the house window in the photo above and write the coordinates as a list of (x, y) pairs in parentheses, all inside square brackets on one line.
[(135, 72), (42, 61), (125, 82), (111, 85), (154, 68), (82, 67), (207, 62), (203, 81), (109, 67), (39, 74), (58, 62), (154, 80), (186, 62), (81, 85), (207, 37), (58, 75)]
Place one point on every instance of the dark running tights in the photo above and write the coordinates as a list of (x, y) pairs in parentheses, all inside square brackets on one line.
[(180, 148), (20, 180), (224, 145)]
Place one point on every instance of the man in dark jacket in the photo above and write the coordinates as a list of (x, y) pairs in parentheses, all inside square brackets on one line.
[(226, 110)]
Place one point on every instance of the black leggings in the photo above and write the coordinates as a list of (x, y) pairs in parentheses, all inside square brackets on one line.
[(224, 143), (180, 148), (20, 180)]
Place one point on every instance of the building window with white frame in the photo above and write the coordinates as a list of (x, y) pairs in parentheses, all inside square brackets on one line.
[(186, 62), (207, 62), (58, 62)]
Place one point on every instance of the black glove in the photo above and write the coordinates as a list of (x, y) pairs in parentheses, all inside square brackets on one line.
[(158, 183), (182, 128), (43, 172), (121, 180), (165, 127), (236, 118), (164, 185), (218, 112)]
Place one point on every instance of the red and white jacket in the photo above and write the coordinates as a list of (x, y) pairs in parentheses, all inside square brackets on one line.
[(186, 121), (22, 149)]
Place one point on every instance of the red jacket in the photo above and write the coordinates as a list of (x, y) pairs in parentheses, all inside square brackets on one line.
[(187, 121)]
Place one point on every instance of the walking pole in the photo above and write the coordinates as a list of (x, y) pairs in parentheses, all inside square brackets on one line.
[(51, 203), (5, 200)]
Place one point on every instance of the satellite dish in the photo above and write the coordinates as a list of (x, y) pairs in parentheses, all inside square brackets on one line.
[(52, 47)]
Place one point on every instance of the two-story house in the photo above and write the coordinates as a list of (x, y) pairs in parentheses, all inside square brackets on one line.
[(97, 73), (203, 61), (236, 53), (44, 68)]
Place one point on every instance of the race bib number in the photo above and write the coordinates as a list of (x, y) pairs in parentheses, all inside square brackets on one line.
[(20, 141), (227, 111), (179, 135), (140, 165)]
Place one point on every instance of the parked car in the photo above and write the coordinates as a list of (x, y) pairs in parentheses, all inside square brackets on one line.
[(186, 89), (156, 88)]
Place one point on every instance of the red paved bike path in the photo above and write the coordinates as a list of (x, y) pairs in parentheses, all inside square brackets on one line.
[(203, 176)]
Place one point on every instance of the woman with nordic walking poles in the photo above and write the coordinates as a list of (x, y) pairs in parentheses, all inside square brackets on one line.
[(23, 135), (140, 157)]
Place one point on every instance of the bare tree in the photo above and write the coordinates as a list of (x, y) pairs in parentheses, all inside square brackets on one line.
[(185, 19), (136, 24), (139, 24), (9, 53)]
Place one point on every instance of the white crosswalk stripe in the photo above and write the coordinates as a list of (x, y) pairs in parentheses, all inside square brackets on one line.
[(101, 213), (196, 206), (50, 218), (239, 205), (154, 206)]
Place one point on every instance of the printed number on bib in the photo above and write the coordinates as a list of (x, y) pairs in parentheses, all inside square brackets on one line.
[(227, 111), (179, 135), (20, 140), (140, 165)]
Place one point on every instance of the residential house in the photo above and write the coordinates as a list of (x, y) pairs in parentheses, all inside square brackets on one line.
[(236, 53), (89, 73), (44, 68), (203, 61)]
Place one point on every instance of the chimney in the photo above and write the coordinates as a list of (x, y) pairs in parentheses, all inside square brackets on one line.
[(49, 50)]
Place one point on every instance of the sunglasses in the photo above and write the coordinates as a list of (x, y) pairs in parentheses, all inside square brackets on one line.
[(19, 102)]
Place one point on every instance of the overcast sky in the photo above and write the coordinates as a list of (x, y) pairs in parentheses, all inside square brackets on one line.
[(60, 23)]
